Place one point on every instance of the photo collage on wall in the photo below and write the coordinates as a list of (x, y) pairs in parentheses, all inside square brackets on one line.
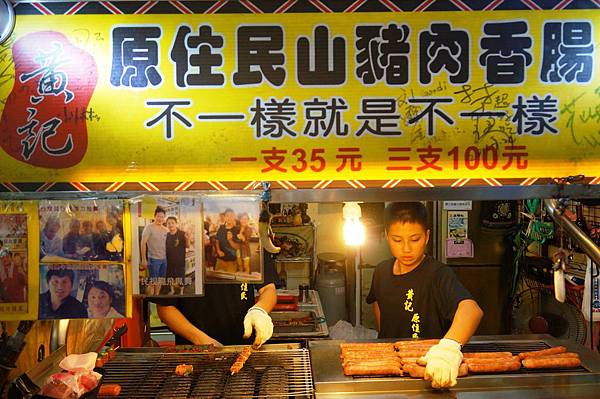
[(15, 275), (78, 268), (81, 252)]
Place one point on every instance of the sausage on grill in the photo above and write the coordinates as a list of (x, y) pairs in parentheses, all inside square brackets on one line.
[(373, 369), (486, 355), (412, 353), (419, 342), (418, 371), (545, 352), (241, 360), (551, 362), (495, 366), (483, 360)]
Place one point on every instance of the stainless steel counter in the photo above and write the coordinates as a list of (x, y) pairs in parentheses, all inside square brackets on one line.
[(583, 383)]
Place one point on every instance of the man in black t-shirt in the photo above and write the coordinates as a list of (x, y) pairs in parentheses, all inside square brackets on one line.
[(225, 315), (414, 296), (417, 304)]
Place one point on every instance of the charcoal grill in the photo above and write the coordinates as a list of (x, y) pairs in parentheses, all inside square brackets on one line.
[(580, 383), (150, 373)]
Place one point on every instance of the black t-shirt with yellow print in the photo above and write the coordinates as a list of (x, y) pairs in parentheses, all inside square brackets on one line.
[(220, 312), (418, 304)]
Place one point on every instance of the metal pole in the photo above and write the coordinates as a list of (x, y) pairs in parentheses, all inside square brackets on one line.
[(585, 243), (357, 283)]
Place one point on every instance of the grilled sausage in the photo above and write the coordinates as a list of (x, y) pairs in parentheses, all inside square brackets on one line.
[(486, 355), (414, 370), (545, 352), (551, 362), (566, 354), (418, 371), (483, 360), (109, 390), (412, 353), (241, 359), (367, 345), (367, 354), (408, 360), (382, 369), (495, 366), (369, 363), (209, 385), (417, 342)]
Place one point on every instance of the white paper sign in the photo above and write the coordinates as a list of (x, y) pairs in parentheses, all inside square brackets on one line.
[(458, 205)]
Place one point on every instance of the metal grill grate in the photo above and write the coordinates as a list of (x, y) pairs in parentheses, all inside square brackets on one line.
[(266, 374)]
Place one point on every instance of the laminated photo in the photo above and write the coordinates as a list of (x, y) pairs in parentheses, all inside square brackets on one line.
[(167, 251), (82, 291), (231, 243), (81, 230), (14, 271)]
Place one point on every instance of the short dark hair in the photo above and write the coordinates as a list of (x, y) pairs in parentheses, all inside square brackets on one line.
[(104, 286), (159, 209), (172, 218), (229, 210), (60, 273), (405, 212)]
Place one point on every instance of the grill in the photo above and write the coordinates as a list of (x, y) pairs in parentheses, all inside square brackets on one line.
[(515, 348), (277, 373), (330, 380)]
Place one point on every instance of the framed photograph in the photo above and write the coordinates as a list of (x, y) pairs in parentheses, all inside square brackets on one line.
[(232, 252), (82, 291), (81, 230), (167, 251), (13, 263), (18, 255)]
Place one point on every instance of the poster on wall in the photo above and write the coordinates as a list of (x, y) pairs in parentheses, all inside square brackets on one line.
[(18, 260), (167, 245), (231, 244), (13, 263), (81, 291), (81, 230)]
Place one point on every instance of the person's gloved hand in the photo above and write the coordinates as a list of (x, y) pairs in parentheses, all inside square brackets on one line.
[(258, 319), (442, 362)]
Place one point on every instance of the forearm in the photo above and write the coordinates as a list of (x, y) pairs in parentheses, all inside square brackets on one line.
[(267, 297), (180, 325), (233, 244), (377, 314), (466, 320), (143, 251)]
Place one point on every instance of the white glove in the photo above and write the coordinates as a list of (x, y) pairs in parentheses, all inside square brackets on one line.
[(258, 319), (442, 362)]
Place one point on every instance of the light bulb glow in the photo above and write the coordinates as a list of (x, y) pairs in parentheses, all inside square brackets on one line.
[(354, 232)]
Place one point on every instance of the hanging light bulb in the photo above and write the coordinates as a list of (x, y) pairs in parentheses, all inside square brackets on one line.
[(354, 231)]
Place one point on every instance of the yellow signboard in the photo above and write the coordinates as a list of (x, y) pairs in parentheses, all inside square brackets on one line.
[(301, 97)]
